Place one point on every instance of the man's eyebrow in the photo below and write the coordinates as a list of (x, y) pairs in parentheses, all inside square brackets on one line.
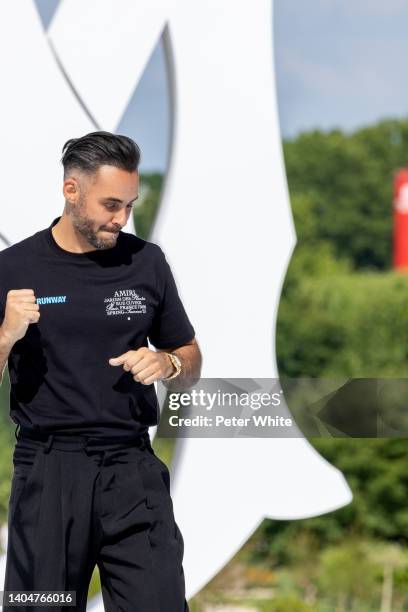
[(117, 200)]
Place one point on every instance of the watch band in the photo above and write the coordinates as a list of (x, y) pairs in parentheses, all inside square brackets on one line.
[(176, 363)]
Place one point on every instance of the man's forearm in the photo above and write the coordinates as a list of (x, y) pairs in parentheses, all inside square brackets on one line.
[(5, 347)]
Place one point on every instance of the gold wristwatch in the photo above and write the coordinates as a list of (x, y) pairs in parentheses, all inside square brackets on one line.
[(176, 363)]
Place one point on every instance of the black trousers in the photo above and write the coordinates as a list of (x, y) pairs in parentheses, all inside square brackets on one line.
[(75, 503)]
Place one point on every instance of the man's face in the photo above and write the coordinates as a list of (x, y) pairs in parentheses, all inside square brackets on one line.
[(99, 206)]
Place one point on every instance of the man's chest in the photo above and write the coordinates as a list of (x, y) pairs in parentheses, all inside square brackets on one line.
[(81, 309)]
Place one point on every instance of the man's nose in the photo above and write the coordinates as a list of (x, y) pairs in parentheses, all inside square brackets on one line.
[(120, 218)]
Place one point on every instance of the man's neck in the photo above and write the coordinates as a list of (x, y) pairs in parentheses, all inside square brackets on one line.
[(68, 239)]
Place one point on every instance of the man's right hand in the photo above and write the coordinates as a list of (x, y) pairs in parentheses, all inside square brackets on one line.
[(21, 310)]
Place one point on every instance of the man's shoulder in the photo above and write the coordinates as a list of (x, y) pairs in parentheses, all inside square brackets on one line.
[(135, 244), (20, 249)]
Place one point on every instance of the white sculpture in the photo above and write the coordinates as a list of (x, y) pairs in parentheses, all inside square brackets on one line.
[(224, 221)]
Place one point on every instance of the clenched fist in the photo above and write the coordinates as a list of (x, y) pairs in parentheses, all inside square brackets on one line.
[(21, 310)]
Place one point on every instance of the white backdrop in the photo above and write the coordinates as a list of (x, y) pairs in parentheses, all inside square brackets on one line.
[(224, 220)]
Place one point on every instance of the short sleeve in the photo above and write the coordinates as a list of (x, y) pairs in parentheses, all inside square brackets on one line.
[(171, 326)]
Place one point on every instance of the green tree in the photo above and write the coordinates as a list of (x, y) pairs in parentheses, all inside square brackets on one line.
[(146, 210), (347, 179), (347, 574)]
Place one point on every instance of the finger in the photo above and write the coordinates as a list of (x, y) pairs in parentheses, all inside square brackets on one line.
[(137, 366), (151, 379), (145, 373), (26, 299), (139, 355), (20, 292), (115, 361), (31, 308), (132, 357), (34, 318)]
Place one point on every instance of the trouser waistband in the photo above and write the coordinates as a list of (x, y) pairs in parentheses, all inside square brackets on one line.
[(79, 442)]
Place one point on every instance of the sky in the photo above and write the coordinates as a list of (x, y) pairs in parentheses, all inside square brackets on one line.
[(338, 63)]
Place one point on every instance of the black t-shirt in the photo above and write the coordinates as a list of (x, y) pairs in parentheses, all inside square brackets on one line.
[(93, 306)]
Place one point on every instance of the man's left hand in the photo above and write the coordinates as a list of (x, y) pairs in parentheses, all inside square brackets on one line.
[(145, 365)]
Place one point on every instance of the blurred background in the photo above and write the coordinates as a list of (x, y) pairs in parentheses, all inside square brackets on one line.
[(343, 111)]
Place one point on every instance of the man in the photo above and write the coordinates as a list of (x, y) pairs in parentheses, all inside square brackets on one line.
[(78, 302)]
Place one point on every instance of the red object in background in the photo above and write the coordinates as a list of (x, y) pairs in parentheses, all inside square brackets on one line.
[(400, 255)]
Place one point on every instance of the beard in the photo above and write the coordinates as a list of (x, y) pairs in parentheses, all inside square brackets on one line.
[(85, 226)]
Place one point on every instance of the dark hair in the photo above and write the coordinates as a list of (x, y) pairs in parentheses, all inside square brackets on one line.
[(93, 150)]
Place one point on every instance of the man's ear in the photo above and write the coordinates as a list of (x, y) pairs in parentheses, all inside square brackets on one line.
[(71, 189)]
